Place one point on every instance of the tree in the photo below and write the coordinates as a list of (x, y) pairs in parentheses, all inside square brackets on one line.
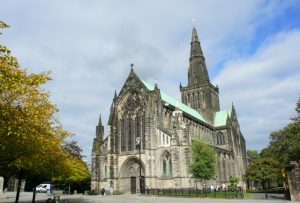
[(288, 136), (264, 170), (252, 153), (203, 161), (73, 149), (31, 139), (79, 175)]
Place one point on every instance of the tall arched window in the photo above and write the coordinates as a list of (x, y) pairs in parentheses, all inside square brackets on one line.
[(170, 168), (220, 138), (166, 163), (164, 168), (132, 122)]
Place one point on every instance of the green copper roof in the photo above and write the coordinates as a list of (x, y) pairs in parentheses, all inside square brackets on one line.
[(170, 100), (221, 118)]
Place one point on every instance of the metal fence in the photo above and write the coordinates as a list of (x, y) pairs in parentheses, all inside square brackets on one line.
[(194, 192)]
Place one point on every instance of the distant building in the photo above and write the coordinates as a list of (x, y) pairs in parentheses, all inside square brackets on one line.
[(166, 128)]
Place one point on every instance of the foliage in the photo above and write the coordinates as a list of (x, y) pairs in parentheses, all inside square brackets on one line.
[(31, 139), (252, 153), (233, 183), (73, 149), (288, 136), (203, 160), (78, 175), (263, 170)]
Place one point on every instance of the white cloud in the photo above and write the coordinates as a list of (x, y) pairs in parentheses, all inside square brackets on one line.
[(264, 86)]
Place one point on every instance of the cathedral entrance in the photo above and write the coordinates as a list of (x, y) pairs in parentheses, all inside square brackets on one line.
[(133, 185), (130, 180)]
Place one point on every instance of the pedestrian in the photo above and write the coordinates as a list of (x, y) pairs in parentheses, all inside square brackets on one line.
[(102, 191)]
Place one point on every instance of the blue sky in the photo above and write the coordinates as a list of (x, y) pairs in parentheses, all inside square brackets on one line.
[(251, 49)]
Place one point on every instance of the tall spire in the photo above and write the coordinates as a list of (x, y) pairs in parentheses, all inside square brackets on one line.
[(100, 130), (100, 120), (195, 44), (198, 74)]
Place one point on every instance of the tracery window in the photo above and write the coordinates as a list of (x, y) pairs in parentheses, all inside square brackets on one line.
[(164, 168), (166, 163), (132, 122), (220, 138), (170, 167)]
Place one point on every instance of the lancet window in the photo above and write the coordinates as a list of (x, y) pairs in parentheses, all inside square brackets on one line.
[(132, 123)]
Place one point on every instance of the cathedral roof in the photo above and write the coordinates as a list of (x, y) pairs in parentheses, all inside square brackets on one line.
[(170, 100), (221, 118)]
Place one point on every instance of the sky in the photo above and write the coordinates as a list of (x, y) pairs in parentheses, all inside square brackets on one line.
[(252, 52)]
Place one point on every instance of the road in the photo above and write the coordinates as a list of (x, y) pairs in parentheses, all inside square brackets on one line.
[(27, 196)]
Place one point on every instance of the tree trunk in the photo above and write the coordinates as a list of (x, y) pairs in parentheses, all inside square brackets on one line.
[(265, 184), (33, 195), (19, 186), (69, 189)]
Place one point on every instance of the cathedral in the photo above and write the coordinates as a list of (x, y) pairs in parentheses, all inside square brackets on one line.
[(148, 143)]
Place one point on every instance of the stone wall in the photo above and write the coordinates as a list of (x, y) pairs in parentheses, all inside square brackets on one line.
[(293, 175)]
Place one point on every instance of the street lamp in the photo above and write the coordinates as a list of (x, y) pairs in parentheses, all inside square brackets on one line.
[(138, 145)]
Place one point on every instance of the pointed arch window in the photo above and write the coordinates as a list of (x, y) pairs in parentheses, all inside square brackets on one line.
[(220, 138), (170, 168), (167, 167), (164, 168), (132, 122)]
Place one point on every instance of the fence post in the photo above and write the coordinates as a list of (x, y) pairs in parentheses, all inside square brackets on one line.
[(163, 191), (182, 192), (189, 192)]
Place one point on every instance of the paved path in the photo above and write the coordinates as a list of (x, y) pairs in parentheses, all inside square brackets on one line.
[(27, 196), (154, 199)]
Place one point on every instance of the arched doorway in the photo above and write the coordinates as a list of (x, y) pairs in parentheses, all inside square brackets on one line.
[(130, 178)]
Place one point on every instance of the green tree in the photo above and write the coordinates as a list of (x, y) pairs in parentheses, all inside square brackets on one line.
[(203, 161), (78, 176), (285, 143), (264, 170), (252, 153), (31, 139)]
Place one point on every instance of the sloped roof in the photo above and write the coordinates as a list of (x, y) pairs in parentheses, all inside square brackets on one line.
[(170, 100), (221, 118)]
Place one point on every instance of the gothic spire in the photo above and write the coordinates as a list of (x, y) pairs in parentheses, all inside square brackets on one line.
[(197, 74), (100, 121), (115, 96), (195, 45)]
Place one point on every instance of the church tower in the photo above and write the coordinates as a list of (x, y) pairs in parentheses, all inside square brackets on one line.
[(200, 94)]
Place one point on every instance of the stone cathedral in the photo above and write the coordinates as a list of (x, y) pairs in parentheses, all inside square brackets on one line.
[(150, 134)]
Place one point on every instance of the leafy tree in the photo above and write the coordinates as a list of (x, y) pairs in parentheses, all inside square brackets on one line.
[(79, 175), (233, 183), (31, 139), (203, 161), (73, 149), (285, 143), (252, 153), (264, 170)]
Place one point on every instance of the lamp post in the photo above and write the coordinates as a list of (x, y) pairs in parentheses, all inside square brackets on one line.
[(138, 144)]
